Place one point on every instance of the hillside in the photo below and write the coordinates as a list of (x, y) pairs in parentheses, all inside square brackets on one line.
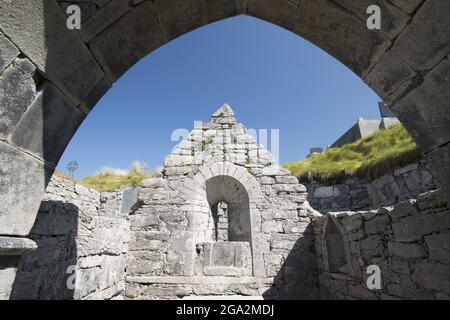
[(109, 179), (369, 158)]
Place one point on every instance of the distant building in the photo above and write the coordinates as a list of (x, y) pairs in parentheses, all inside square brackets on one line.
[(314, 150), (364, 128)]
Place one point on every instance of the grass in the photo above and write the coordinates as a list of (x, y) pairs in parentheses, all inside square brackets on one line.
[(367, 158), (110, 180)]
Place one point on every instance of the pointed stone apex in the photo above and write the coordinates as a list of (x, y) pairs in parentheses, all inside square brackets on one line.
[(224, 111), (224, 116)]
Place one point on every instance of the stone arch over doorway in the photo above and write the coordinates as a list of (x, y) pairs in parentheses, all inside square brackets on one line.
[(51, 77), (225, 181), (230, 208)]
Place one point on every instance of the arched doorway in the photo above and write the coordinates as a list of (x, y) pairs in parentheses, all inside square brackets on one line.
[(230, 208)]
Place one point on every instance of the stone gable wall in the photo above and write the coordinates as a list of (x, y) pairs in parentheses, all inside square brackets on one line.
[(81, 240), (357, 194), (171, 243), (409, 242)]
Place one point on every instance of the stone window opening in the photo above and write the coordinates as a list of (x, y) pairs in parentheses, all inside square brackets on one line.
[(230, 210), (221, 223), (335, 248)]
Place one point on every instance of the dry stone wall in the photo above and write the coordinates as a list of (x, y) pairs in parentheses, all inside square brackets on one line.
[(356, 194), (82, 244), (409, 242)]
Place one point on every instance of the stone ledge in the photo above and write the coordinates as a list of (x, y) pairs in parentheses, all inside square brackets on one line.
[(197, 280), (11, 246)]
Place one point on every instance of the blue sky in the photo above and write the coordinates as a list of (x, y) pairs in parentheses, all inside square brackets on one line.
[(272, 79)]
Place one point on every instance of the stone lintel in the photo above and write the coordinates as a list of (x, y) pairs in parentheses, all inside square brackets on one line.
[(13, 246)]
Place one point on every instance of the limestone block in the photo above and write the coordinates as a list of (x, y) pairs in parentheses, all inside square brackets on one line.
[(393, 19), (104, 18), (361, 292), (439, 247), (323, 192), (272, 226), (405, 169), (48, 125), (95, 95), (346, 38), (435, 199), (8, 52), (267, 180), (17, 90), (377, 224), (286, 179), (352, 223), (340, 190), (8, 269), (172, 217), (426, 41), (11, 246), (128, 40), (174, 264), (174, 160), (372, 246), (219, 9), (144, 263), (66, 62), (432, 276), (294, 188), (418, 180), (20, 175), (155, 183), (406, 250), (414, 227), (274, 170), (424, 111), (281, 13), (408, 6), (143, 221), (105, 240), (189, 15)]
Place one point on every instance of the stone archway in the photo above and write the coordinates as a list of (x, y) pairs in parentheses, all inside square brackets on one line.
[(246, 198), (51, 77)]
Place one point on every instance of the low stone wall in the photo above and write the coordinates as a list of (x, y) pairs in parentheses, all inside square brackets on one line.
[(82, 243), (355, 194), (409, 242), (158, 264)]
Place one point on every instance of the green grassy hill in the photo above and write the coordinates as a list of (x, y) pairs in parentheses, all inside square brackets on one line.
[(110, 180), (369, 158)]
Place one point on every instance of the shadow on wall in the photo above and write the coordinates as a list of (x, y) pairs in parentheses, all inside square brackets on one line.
[(297, 279), (43, 274)]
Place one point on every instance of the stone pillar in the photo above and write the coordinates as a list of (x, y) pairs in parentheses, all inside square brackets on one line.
[(222, 221), (11, 249)]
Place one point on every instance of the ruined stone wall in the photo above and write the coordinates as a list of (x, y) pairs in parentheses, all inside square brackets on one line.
[(82, 240), (409, 242), (172, 248), (357, 194)]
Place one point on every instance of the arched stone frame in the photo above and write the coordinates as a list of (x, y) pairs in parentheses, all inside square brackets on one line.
[(331, 219), (194, 191), (406, 63)]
